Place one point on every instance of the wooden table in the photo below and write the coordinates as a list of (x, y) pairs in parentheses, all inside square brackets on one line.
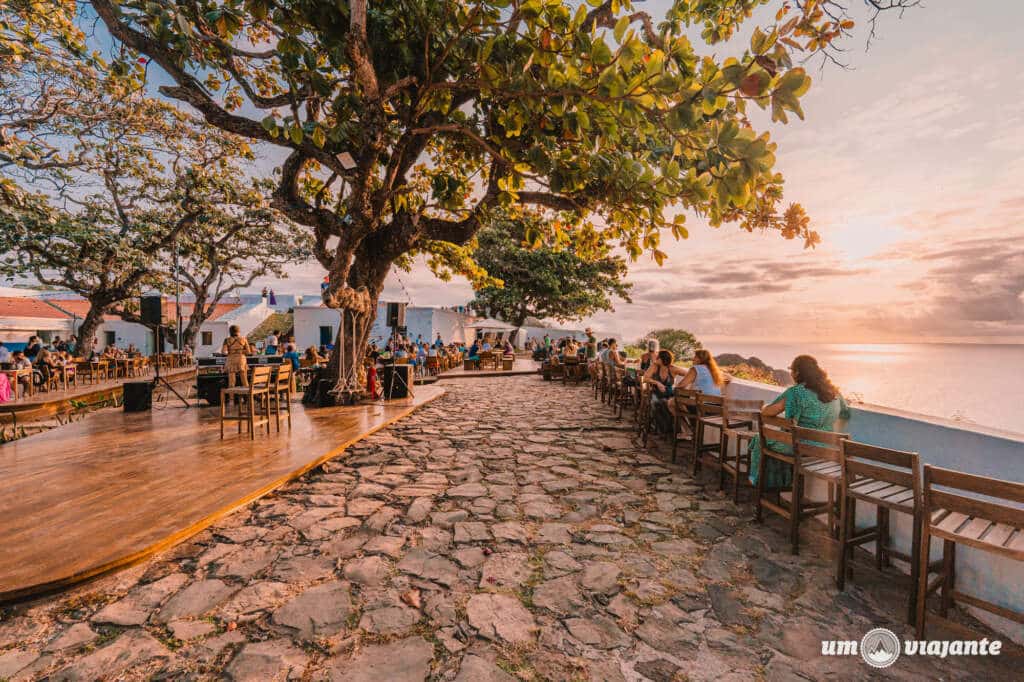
[(12, 376)]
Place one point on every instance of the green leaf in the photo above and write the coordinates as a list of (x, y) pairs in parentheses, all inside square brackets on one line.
[(620, 28)]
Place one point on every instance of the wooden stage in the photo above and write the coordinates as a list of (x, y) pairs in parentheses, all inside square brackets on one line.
[(43, 404), (114, 488)]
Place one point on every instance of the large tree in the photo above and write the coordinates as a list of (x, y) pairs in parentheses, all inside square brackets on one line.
[(540, 278), (403, 125), (239, 238), (98, 179)]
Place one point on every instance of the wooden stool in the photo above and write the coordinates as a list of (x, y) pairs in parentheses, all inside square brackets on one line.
[(709, 415), (258, 390), (280, 394), (685, 400), (990, 525), (891, 481), (783, 434), (817, 455), (740, 416)]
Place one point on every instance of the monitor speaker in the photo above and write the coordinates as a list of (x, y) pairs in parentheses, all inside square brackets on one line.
[(396, 315), (395, 380), (151, 310), (138, 396)]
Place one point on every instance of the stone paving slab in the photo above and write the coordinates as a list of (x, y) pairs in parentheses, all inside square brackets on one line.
[(535, 540)]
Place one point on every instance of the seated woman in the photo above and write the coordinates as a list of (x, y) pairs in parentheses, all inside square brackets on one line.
[(704, 375), (813, 402), (662, 376), (312, 358)]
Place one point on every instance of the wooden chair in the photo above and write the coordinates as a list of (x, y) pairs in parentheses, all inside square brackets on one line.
[(433, 366), (686, 415), (776, 440), (625, 395), (817, 455), (594, 369), (248, 397), (573, 370), (891, 481), (737, 465), (994, 525), (709, 416), (280, 394)]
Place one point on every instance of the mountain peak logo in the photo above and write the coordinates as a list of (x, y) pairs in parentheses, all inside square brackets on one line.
[(880, 648)]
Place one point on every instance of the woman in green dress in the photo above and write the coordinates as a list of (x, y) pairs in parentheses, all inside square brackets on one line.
[(812, 403)]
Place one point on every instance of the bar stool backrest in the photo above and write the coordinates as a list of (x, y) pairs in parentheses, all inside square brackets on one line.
[(284, 376), (815, 444), (897, 467), (260, 377), (735, 410), (776, 430), (709, 405)]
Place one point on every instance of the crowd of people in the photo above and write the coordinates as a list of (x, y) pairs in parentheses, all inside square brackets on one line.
[(46, 359)]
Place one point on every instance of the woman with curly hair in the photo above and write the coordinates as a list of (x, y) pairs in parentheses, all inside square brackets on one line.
[(813, 402)]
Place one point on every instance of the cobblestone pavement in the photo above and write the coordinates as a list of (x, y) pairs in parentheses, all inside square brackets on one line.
[(511, 529)]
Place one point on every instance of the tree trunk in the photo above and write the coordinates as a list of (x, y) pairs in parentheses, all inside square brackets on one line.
[(196, 319), (87, 330), (356, 301)]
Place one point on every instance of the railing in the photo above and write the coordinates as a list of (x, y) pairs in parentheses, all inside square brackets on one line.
[(945, 443)]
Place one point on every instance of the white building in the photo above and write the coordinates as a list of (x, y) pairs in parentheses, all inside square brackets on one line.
[(316, 325), (212, 333), (113, 331), (22, 317)]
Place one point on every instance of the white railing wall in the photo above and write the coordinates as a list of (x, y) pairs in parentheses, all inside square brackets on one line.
[(948, 444)]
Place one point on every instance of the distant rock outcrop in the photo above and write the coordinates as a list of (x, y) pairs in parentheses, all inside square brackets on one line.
[(753, 368)]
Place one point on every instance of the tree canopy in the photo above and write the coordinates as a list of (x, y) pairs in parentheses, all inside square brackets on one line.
[(551, 280), (404, 125)]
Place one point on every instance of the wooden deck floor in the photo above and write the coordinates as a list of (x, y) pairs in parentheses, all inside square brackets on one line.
[(114, 488), (43, 404)]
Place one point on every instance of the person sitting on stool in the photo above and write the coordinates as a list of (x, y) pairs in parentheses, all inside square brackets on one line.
[(236, 347)]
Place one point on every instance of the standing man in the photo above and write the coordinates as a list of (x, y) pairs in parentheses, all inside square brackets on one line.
[(438, 343), (591, 344)]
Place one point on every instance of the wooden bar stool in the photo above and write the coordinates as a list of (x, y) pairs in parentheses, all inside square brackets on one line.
[(280, 394), (709, 416), (808, 453), (248, 397), (738, 466), (686, 414), (994, 525), (891, 481), (817, 455)]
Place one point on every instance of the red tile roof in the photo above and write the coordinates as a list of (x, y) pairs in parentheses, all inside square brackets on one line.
[(18, 306), (78, 307), (186, 310)]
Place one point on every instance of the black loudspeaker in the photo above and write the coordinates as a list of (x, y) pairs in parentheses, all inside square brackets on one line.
[(138, 396), (151, 310), (208, 387), (395, 380), (396, 315)]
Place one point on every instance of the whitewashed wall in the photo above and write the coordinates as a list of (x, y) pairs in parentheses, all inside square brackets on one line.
[(943, 443)]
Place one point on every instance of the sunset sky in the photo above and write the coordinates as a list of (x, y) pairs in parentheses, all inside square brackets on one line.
[(910, 165)]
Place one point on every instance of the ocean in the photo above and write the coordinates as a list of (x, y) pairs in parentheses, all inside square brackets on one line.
[(974, 383)]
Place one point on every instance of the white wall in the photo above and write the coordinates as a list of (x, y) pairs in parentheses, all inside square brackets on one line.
[(943, 443), (307, 321), (18, 329), (126, 333)]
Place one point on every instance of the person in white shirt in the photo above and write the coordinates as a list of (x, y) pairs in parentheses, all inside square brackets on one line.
[(271, 343), (5, 354)]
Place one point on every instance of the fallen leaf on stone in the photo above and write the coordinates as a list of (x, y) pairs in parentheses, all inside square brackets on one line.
[(232, 626), (412, 598)]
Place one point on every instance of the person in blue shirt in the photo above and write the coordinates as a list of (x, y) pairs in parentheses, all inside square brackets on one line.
[(438, 343), (291, 354), (474, 351)]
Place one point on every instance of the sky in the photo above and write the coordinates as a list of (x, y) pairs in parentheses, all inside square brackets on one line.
[(909, 164)]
